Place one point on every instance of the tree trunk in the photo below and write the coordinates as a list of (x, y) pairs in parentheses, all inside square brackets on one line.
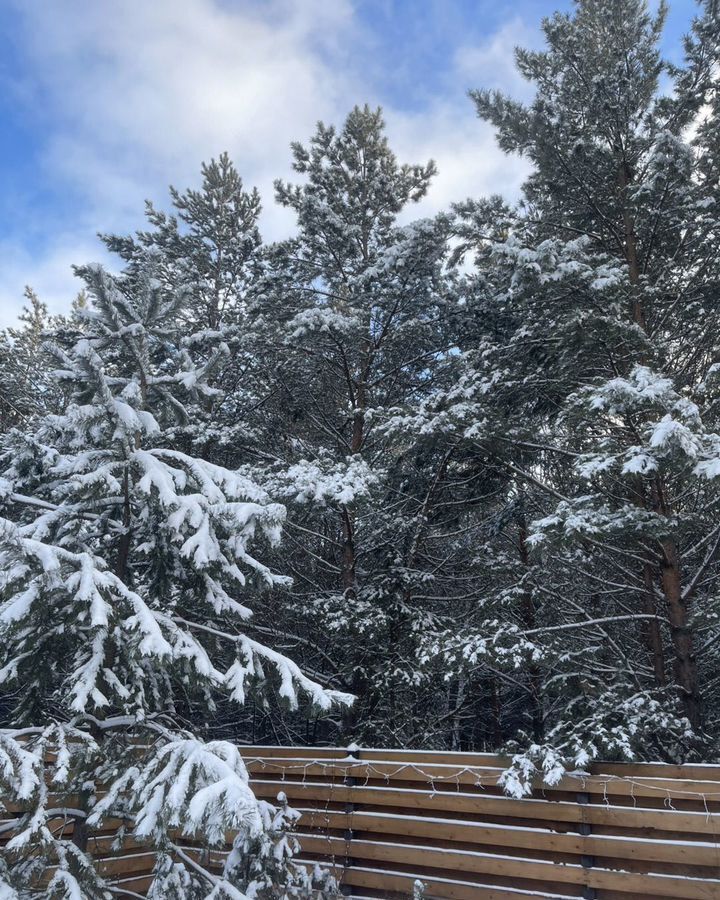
[(631, 252), (654, 635), (685, 667), (529, 620), (347, 569), (81, 833), (349, 554), (497, 732)]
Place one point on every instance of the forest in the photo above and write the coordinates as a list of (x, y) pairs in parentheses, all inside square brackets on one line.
[(452, 484)]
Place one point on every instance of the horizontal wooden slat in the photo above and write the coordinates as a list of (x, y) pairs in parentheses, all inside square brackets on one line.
[(520, 868), (436, 886), (136, 884), (412, 798), (692, 771), (453, 830), (127, 864), (268, 752), (484, 776), (695, 772), (480, 804), (379, 770), (436, 758)]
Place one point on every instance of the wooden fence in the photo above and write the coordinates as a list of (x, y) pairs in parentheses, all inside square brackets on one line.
[(386, 819), (389, 818)]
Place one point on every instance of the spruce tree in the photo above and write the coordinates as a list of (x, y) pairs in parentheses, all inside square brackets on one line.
[(125, 565)]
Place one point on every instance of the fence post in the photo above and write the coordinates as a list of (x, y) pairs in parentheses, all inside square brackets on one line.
[(584, 828), (353, 751)]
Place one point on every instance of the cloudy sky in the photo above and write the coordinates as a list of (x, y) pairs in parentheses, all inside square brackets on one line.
[(103, 103)]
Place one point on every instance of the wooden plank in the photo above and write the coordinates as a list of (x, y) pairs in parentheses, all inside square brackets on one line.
[(484, 776), (363, 753), (640, 786), (137, 884), (127, 864), (483, 804), (388, 771), (652, 819), (411, 798), (446, 758), (700, 772), (271, 752), (650, 885), (514, 867), (444, 888), (453, 830)]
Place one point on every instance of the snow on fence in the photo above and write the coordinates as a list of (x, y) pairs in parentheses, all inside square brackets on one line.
[(386, 819)]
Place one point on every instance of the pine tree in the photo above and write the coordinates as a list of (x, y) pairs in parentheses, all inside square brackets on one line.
[(124, 564), (500, 477), (353, 318), (27, 389), (586, 386), (266, 860), (209, 246)]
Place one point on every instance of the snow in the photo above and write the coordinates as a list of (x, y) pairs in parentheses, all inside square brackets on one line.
[(18, 767), (319, 320), (251, 655), (642, 387), (669, 431), (320, 482), (638, 462), (708, 468)]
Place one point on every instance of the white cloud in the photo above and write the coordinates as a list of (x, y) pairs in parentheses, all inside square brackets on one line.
[(492, 64), (48, 272), (137, 93), (469, 161), (147, 90)]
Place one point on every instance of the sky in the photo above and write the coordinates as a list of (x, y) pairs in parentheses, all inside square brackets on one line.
[(105, 103)]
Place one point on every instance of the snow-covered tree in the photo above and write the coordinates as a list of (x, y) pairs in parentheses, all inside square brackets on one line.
[(209, 247), (500, 476), (587, 387), (125, 566), (353, 318), (266, 859), (27, 389)]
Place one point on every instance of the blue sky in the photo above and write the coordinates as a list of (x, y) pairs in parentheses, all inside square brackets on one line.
[(105, 103)]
